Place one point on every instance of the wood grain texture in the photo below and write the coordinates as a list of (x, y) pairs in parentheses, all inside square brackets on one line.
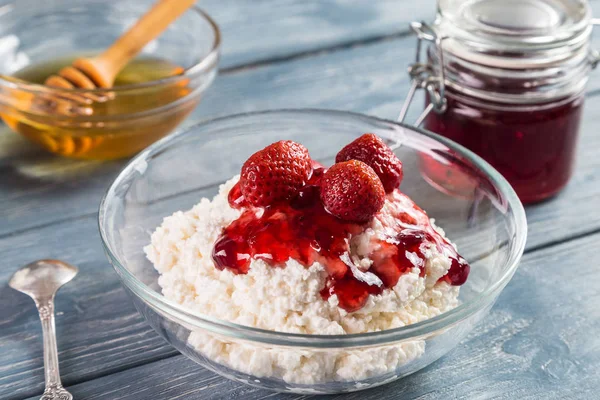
[(538, 342), (274, 29)]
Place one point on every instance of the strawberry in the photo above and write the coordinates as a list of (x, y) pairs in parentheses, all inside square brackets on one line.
[(371, 150), (275, 174), (352, 191)]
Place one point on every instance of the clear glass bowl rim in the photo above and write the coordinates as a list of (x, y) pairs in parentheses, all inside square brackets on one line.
[(220, 327), (203, 65)]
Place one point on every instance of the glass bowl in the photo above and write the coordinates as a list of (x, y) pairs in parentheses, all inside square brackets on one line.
[(122, 120), (476, 207)]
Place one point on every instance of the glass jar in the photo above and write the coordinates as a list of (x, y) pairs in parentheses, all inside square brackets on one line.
[(506, 79)]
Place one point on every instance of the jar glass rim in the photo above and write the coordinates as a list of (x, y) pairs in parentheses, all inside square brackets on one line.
[(468, 98), (535, 24)]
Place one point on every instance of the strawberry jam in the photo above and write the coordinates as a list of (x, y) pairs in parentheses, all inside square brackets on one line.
[(533, 149), (304, 231)]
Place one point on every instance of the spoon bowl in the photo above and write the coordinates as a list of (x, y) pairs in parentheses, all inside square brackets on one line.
[(41, 279)]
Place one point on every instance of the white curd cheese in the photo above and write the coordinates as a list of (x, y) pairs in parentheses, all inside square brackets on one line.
[(288, 299)]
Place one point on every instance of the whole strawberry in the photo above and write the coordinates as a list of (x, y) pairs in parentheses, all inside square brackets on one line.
[(352, 191), (371, 150), (275, 174)]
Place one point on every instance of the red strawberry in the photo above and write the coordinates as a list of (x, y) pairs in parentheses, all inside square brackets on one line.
[(275, 174), (371, 150), (352, 191)]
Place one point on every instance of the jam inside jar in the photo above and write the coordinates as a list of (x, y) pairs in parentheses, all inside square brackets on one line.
[(533, 146), (511, 89)]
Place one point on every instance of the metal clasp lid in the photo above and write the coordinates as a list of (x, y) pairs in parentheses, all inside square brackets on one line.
[(423, 75), (432, 79)]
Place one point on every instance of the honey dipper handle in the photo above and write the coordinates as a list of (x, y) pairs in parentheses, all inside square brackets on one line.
[(146, 29)]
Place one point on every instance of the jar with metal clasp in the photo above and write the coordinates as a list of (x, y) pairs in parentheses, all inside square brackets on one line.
[(506, 79)]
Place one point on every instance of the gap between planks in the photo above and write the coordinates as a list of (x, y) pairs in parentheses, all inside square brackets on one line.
[(352, 44)]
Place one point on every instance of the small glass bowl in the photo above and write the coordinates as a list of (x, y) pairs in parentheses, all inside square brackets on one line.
[(484, 218), (132, 116)]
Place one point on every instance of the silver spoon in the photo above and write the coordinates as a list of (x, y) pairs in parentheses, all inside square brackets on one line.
[(41, 280)]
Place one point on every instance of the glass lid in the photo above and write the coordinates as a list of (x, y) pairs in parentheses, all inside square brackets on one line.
[(530, 32)]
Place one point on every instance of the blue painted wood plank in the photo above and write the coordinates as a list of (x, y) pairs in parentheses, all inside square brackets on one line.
[(254, 31), (538, 342)]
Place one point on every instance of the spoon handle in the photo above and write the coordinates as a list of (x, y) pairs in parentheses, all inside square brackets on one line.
[(54, 389), (146, 29)]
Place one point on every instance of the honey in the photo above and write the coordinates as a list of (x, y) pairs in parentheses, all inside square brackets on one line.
[(141, 108)]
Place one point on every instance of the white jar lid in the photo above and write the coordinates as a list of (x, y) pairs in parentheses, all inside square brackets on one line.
[(514, 34)]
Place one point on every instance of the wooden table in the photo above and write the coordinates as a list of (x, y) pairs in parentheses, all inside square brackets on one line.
[(541, 340)]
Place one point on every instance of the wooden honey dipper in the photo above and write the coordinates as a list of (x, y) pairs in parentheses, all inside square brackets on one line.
[(101, 71)]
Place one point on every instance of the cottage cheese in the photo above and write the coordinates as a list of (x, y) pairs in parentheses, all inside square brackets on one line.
[(288, 299)]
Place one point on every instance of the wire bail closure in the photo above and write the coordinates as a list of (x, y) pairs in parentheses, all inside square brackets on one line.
[(423, 75)]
